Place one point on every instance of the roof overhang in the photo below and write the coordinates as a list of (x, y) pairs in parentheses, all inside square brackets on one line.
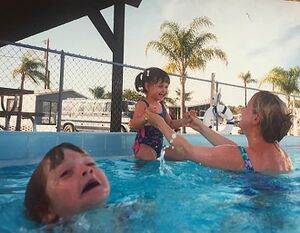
[(22, 19)]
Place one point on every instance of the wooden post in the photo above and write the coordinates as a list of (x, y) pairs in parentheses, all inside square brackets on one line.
[(212, 88)]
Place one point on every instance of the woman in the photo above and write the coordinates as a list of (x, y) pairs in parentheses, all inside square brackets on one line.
[(265, 121)]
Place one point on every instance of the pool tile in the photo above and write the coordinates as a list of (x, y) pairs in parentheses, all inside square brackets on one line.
[(14, 145), (94, 144), (39, 143), (74, 138)]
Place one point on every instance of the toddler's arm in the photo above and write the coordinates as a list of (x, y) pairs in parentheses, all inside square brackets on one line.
[(138, 120), (175, 124)]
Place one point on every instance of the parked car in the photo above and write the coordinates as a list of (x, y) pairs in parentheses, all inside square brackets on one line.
[(92, 114)]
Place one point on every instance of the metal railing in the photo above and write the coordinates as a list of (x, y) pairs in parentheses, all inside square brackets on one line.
[(75, 76)]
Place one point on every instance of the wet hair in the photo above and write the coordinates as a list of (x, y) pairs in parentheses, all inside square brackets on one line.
[(151, 75), (36, 200), (276, 120)]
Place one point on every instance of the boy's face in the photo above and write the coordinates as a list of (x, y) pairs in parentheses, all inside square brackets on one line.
[(75, 185)]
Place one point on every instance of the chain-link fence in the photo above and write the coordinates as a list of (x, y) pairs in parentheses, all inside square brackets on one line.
[(75, 92), (79, 83)]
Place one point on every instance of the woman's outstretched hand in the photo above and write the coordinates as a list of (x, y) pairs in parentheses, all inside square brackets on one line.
[(190, 119), (186, 120), (153, 118), (195, 122)]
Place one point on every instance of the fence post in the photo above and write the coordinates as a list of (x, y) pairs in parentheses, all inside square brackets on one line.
[(117, 72), (217, 119), (212, 89), (60, 90), (295, 124), (47, 75)]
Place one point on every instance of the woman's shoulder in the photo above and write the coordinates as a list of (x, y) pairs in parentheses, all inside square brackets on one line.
[(228, 156), (229, 147), (229, 151), (275, 160), (283, 160)]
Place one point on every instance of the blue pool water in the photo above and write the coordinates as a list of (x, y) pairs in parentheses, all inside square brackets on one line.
[(146, 197)]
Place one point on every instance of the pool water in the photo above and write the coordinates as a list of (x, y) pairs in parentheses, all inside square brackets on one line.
[(178, 197)]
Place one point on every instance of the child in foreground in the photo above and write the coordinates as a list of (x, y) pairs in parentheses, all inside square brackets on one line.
[(66, 182), (154, 83)]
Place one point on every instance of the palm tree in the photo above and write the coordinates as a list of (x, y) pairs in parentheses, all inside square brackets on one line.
[(286, 81), (170, 100), (107, 95), (32, 69), (187, 96), (97, 92), (186, 48), (271, 77), (133, 95), (246, 77)]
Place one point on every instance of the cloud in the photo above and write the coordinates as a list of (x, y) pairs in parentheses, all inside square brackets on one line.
[(283, 50), (290, 34)]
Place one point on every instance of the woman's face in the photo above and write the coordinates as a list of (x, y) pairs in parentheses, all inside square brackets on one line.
[(247, 115), (75, 185)]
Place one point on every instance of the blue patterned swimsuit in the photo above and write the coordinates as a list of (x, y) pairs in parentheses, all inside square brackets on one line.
[(246, 159), (149, 135)]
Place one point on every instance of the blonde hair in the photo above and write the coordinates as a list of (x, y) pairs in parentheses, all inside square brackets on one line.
[(276, 120)]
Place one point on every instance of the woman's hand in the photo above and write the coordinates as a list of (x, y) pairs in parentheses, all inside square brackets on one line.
[(186, 120), (195, 123), (153, 118)]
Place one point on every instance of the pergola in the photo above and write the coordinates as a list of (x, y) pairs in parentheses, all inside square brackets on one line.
[(21, 19)]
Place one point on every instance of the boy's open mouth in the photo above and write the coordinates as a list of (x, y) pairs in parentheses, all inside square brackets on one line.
[(90, 185)]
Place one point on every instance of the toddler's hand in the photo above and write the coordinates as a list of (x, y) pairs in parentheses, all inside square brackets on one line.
[(192, 113), (187, 117), (152, 109)]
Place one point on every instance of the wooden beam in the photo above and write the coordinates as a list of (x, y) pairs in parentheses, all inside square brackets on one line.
[(102, 27)]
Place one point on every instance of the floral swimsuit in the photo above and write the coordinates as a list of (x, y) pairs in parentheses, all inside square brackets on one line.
[(149, 135), (246, 159)]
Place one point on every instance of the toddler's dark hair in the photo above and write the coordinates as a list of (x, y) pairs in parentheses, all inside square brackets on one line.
[(150, 75)]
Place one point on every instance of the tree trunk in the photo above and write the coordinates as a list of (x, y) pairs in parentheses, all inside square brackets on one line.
[(245, 95), (182, 99), (291, 109), (289, 102), (19, 116)]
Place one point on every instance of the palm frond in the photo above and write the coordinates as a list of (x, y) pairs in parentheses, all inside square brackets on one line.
[(170, 68), (199, 22), (169, 26), (30, 68)]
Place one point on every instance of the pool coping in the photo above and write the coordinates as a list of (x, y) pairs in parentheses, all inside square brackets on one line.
[(19, 148)]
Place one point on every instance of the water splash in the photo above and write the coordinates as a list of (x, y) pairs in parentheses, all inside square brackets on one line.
[(164, 169)]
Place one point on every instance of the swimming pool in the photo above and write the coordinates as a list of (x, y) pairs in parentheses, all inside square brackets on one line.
[(146, 197)]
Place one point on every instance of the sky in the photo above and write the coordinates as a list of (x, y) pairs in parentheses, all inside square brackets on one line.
[(256, 35)]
